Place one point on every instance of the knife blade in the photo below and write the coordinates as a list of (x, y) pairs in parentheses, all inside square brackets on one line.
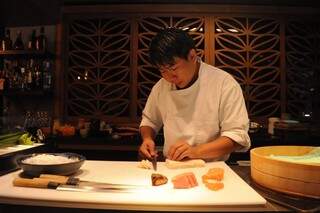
[(77, 181), (154, 163), (48, 184)]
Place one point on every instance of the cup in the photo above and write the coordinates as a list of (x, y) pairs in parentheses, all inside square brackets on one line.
[(84, 132), (271, 122)]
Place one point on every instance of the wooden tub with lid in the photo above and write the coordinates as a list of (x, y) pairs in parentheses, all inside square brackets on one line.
[(301, 179)]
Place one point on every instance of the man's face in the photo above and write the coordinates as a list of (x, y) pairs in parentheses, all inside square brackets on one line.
[(182, 71)]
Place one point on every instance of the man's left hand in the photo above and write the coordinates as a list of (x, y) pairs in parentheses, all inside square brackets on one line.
[(180, 150)]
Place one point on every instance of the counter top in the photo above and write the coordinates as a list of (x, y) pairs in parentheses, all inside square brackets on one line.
[(17, 148), (8, 155), (236, 195), (14, 199)]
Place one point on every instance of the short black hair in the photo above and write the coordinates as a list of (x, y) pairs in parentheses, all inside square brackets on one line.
[(168, 44)]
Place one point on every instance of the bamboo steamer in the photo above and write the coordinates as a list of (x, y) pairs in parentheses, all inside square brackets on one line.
[(301, 179)]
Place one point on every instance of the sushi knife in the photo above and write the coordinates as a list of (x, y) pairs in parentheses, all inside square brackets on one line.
[(154, 163), (48, 184), (77, 181)]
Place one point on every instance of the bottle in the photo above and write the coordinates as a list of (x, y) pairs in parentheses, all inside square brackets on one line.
[(37, 77), (6, 43), (32, 40), (23, 79), (47, 75), (18, 44), (7, 77), (2, 80), (29, 76), (41, 42)]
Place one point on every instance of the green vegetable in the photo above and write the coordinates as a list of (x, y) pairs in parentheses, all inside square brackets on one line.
[(9, 139), (11, 135), (26, 139)]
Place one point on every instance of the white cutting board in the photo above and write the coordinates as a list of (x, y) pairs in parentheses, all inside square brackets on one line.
[(235, 191)]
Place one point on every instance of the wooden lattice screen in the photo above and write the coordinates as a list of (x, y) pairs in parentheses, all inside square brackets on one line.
[(108, 75)]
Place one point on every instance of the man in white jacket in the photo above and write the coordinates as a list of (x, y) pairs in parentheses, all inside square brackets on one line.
[(200, 107)]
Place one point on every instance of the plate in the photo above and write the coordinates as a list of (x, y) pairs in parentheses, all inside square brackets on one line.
[(58, 168)]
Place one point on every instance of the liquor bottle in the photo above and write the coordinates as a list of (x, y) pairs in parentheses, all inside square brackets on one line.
[(6, 43), (2, 80), (23, 78), (41, 42), (32, 40), (47, 75), (18, 44), (37, 77), (7, 77), (29, 76)]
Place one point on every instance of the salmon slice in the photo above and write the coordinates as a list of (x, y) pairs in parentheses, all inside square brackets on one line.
[(212, 179), (184, 181), (214, 186), (192, 179), (214, 173)]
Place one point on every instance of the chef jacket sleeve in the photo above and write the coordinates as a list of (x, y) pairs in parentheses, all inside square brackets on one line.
[(233, 116), (151, 115)]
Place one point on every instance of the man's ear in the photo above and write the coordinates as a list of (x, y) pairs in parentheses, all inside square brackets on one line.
[(192, 56)]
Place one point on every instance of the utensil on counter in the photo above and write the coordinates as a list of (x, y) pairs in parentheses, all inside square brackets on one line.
[(154, 163), (64, 183), (45, 183), (77, 181)]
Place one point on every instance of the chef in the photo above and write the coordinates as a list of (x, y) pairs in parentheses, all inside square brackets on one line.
[(200, 107)]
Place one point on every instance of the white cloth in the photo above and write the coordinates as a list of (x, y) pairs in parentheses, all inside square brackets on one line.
[(213, 106)]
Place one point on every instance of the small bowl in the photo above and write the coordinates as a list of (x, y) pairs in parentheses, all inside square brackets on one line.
[(58, 169)]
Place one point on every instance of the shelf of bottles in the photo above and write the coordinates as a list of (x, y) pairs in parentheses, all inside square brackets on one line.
[(27, 68)]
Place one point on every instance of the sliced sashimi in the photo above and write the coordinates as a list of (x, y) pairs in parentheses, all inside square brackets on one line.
[(184, 181), (192, 179), (212, 179), (213, 173), (214, 186)]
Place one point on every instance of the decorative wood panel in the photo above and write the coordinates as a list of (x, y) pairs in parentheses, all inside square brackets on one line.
[(275, 60), (147, 28), (249, 49), (303, 66), (98, 70)]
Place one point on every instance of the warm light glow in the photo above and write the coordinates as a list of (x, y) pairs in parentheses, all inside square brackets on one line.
[(233, 30), (219, 30), (186, 28), (193, 29), (79, 78)]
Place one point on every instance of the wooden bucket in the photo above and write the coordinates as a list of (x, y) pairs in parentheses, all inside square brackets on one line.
[(301, 179)]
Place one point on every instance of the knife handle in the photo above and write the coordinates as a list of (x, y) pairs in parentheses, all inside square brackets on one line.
[(55, 178), (35, 182), (60, 179)]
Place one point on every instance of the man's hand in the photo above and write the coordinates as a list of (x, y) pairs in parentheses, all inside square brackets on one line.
[(180, 150), (147, 149)]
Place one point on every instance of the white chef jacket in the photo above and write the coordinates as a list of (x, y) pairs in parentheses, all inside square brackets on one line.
[(212, 106)]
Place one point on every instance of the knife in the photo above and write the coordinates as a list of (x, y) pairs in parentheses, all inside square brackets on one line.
[(76, 181), (48, 184), (154, 163)]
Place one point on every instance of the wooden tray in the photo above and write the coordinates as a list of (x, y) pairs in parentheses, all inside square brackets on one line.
[(288, 177)]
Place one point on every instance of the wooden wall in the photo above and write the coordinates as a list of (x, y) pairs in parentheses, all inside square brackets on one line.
[(273, 52)]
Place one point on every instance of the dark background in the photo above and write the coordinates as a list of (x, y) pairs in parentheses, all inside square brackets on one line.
[(47, 12)]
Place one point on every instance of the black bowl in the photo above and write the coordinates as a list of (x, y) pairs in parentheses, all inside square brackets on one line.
[(58, 169)]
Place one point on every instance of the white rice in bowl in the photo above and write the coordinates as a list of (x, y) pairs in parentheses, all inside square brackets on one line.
[(48, 159)]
